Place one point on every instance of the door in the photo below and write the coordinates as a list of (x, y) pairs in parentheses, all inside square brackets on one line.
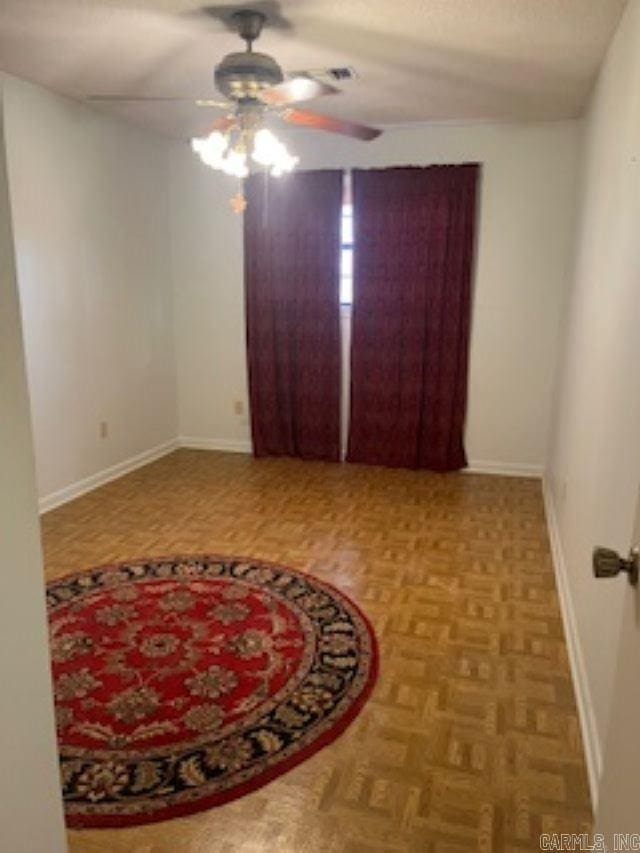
[(618, 810)]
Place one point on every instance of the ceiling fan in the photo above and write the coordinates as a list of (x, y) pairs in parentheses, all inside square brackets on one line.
[(253, 84)]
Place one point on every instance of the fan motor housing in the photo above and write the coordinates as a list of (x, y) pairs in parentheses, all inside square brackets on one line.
[(241, 76)]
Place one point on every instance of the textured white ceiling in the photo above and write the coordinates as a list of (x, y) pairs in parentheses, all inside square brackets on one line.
[(418, 60)]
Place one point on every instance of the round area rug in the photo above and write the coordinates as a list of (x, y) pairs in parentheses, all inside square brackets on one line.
[(184, 682)]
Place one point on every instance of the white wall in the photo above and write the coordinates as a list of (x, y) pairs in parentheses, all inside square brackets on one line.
[(91, 221), (30, 800), (595, 461), (524, 251), (207, 249)]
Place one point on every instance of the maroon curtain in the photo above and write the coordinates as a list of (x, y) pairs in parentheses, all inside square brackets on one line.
[(413, 256), (292, 250)]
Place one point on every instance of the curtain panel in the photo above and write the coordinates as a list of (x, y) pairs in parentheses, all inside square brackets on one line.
[(292, 256), (414, 246)]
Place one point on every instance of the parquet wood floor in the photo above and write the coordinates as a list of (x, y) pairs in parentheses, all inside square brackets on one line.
[(470, 742)]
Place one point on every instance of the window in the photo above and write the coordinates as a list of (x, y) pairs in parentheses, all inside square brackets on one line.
[(346, 255)]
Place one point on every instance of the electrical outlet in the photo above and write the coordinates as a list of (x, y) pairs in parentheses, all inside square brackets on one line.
[(238, 407), (104, 429)]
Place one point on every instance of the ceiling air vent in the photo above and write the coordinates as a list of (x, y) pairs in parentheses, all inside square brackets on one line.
[(345, 73)]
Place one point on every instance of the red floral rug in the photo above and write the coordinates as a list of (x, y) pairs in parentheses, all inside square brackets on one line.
[(184, 682)]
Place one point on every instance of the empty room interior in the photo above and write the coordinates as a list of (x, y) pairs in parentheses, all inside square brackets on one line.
[(319, 426)]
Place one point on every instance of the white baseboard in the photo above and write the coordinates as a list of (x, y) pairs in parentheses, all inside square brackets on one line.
[(75, 490), (504, 469), (586, 714), (225, 444)]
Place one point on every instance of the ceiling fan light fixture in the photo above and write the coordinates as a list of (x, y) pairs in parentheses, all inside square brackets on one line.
[(269, 152), (211, 149), (218, 151), (235, 164)]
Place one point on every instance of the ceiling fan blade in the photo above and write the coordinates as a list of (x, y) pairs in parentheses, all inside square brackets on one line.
[(316, 121), (335, 73), (199, 102), (294, 90), (208, 102)]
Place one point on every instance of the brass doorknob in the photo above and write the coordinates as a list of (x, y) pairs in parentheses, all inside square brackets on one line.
[(607, 563)]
